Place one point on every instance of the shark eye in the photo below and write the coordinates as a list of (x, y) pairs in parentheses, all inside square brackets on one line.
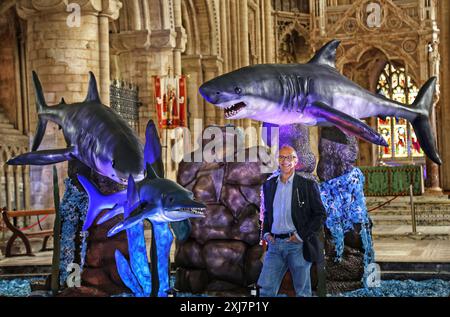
[(238, 90), (171, 199)]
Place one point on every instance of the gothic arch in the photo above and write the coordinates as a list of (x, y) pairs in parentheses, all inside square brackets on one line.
[(139, 15), (296, 27), (206, 18), (391, 51), (190, 24)]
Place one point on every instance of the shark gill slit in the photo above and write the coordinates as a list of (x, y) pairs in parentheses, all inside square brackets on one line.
[(295, 92)]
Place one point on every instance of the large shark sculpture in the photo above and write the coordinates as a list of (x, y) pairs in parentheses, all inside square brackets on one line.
[(315, 93), (159, 200), (95, 134)]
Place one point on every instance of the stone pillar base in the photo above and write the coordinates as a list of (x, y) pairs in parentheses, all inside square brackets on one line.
[(434, 191)]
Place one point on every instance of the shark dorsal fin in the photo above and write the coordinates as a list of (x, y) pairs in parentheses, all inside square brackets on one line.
[(132, 196), (152, 149), (92, 94), (151, 174), (62, 102), (326, 55)]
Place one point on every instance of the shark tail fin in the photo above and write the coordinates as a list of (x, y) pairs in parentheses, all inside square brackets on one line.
[(96, 201), (423, 106), (41, 107)]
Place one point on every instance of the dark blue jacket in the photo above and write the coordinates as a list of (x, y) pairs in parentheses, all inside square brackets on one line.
[(308, 214)]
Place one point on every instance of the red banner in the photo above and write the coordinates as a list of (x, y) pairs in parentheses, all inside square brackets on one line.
[(170, 100)]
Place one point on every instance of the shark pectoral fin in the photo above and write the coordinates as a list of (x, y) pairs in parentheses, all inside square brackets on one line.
[(345, 122), (44, 157), (40, 132), (117, 210), (125, 224)]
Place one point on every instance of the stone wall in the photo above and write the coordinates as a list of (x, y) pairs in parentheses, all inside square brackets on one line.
[(8, 80)]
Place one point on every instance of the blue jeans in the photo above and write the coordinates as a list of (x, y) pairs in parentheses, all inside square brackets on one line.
[(282, 255)]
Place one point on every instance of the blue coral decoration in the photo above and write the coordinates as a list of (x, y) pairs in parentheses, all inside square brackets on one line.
[(73, 209), (135, 273), (344, 201)]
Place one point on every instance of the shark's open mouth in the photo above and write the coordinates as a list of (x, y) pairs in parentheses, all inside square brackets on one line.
[(195, 211), (233, 110)]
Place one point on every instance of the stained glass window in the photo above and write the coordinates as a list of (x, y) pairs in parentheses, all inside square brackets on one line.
[(395, 84)]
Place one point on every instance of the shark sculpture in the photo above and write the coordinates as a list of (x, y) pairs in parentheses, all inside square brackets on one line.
[(315, 93), (156, 199), (159, 200), (95, 134)]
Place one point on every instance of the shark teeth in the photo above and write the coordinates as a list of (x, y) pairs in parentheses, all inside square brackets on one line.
[(195, 211), (232, 110)]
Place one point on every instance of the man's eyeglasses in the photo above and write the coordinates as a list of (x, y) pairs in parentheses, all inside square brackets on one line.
[(289, 158)]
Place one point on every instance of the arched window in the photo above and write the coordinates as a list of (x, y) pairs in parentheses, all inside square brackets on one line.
[(395, 84)]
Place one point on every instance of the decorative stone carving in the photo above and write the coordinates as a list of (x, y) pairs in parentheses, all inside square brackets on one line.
[(409, 46), (393, 22), (350, 25)]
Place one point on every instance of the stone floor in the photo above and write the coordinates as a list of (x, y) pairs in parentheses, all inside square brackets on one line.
[(404, 232), (40, 258), (386, 250), (412, 251)]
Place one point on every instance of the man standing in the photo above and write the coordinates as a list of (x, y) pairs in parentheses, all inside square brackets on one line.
[(293, 215)]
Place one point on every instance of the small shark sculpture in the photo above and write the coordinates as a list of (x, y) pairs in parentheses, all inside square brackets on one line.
[(315, 93), (157, 199), (95, 134)]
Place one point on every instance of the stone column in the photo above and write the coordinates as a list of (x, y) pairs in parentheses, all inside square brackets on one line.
[(443, 110), (318, 9), (103, 42), (193, 69), (181, 38), (212, 67), (269, 30), (224, 34), (432, 168), (243, 43), (62, 53)]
